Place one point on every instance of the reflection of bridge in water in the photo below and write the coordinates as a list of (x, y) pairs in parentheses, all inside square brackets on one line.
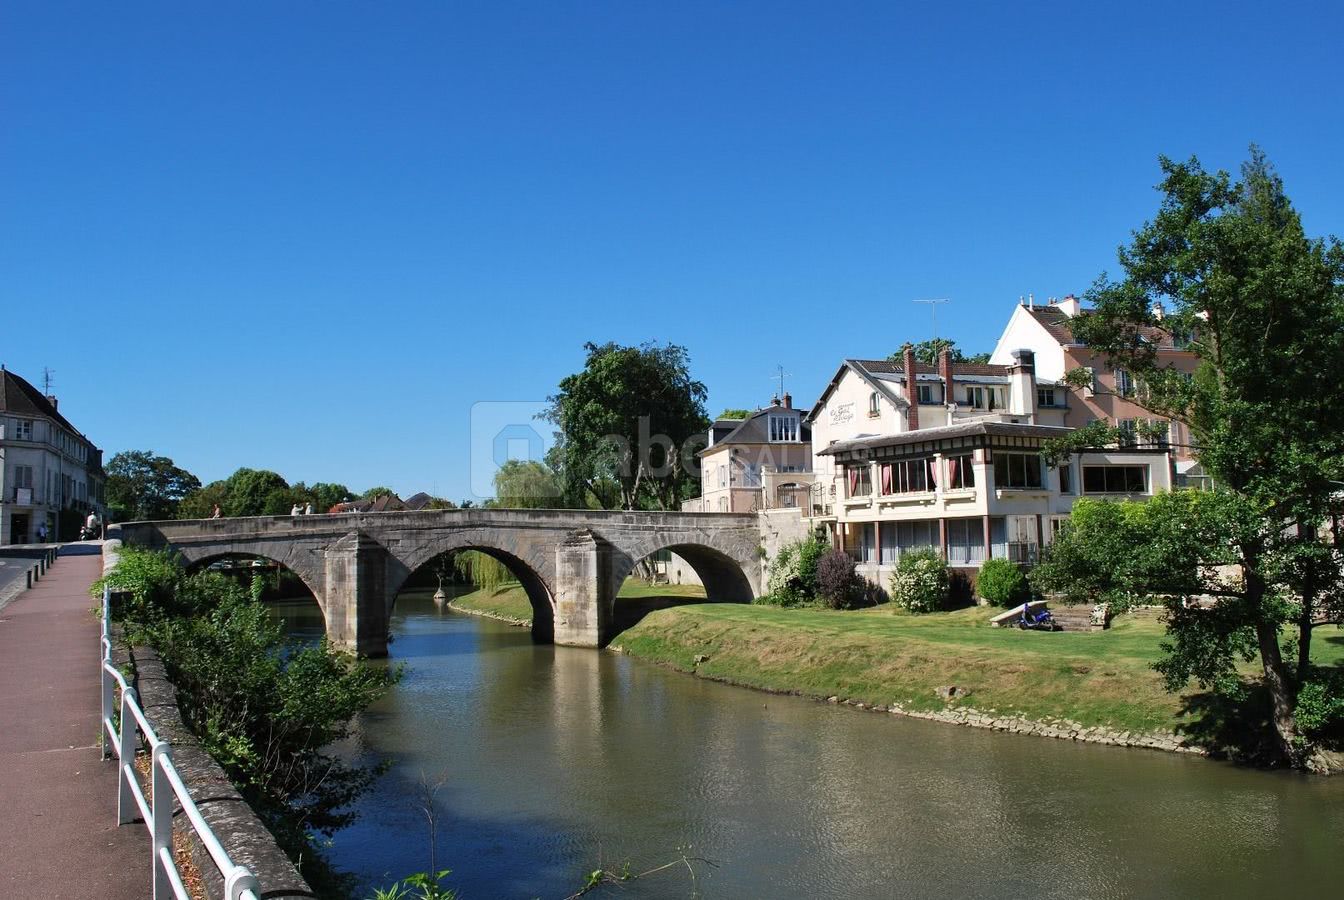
[(570, 562)]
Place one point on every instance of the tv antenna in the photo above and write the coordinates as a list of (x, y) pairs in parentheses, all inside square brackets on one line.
[(933, 308), (781, 374), (47, 381)]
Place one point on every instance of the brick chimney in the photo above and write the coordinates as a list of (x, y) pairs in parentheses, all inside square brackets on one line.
[(911, 392), (945, 370)]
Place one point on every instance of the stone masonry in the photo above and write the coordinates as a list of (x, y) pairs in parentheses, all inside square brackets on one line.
[(570, 562)]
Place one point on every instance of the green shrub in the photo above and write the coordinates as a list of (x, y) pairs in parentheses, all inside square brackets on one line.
[(920, 582), (1320, 705), (793, 573), (1002, 582)]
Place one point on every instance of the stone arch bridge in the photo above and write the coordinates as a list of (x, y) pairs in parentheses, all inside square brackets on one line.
[(570, 562)]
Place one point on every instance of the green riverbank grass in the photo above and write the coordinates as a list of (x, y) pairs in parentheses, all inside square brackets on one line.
[(510, 601), (880, 656)]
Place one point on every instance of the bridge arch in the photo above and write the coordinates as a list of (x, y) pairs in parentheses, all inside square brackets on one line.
[(527, 567), (194, 559), (724, 567)]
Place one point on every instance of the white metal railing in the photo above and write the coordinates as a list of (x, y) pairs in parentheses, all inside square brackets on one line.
[(166, 787)]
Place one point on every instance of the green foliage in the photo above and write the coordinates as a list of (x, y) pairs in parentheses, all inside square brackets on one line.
[(265, 709), (374, 493), (920, 583), (838, 584), (629, 426), (1002, 582), (483, 570), (735, 414), (793, 573), (527, 484), (143, 486), (420, 886), (1320, 705), (927, 353)]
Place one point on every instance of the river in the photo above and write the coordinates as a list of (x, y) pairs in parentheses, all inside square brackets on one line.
[(556, 760)]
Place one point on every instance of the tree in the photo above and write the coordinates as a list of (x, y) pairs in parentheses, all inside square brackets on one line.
[(526, 484), (630, 424), (200, 504), (322, 495), (1262, 306), (256, 492), (143, 486), (374, 493), (734, 414), (927, 353)]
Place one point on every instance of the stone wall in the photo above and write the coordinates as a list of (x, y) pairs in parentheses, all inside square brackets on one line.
[(777, 528)]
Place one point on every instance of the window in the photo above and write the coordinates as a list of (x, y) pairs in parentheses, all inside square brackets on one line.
[(783, 428), (1124, 383), (868, 542), (965, 541), (860, 480), (1017, 470), (1115, 479), (874, 404), (960, 475), (751, 475), (1159, 432), (1129, 432), (23, 430), (1065, 479), (990, 398), (911, 476), (723, 476), (1045, 396), (929, 394), (902, 537), (23, 476)]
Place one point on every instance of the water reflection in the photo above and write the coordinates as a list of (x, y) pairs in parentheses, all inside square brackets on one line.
[(559, 758)]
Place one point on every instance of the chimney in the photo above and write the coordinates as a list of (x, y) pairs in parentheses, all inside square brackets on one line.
[(1022, 385), (945, 370), (788, 401), (911, 392), (1159, 311), (1070, 306), (51, 398), (1031, 300)]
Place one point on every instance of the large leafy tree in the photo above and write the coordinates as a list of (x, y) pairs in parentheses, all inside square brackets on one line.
[(1262, 305), (527, 484), (927, 352), (628, 427), (141, 485)]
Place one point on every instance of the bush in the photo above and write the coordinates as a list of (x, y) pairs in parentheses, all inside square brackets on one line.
[(920, 582), (838, 585), (1002, 583), (1320, 705), (793, 574)]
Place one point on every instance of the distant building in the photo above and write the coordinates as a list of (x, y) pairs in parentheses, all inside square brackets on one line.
[(50, 473), (761, 462), (385, 503)]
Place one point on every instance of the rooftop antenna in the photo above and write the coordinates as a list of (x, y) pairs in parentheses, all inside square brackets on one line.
[(781, 374), (47, 381), (933, 308)]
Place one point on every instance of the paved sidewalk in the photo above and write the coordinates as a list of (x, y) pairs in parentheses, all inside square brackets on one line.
[(58, 798)]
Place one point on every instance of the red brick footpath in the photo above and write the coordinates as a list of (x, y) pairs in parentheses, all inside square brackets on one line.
[(58, 798)]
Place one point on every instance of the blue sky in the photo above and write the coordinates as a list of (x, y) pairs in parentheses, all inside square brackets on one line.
[(310, 236)]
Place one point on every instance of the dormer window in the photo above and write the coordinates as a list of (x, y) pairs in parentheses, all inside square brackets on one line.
[(783, 428), (874, 404), (929, 394)]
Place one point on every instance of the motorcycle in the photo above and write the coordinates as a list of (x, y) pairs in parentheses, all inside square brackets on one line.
[(1040, 620)]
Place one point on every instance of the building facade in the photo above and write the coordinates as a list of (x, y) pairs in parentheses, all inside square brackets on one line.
[(51, 475), (761, 462)]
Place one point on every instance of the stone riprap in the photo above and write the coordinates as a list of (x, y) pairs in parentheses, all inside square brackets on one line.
[(571, 563)]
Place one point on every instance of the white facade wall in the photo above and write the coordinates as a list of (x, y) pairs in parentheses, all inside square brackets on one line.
[(39, 476), (1025, 333)]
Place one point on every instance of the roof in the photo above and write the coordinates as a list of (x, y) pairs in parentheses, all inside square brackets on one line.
[(878, 371), (755, 428), (1057, 324), (20, 398), (417, 501), (963, 429)]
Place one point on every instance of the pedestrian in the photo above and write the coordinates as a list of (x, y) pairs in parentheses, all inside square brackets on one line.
[(216, 513), (308, 510), (41, 532), (295, 511)]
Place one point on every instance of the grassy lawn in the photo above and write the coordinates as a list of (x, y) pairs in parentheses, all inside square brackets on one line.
[(881, 656), (509, 601)]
